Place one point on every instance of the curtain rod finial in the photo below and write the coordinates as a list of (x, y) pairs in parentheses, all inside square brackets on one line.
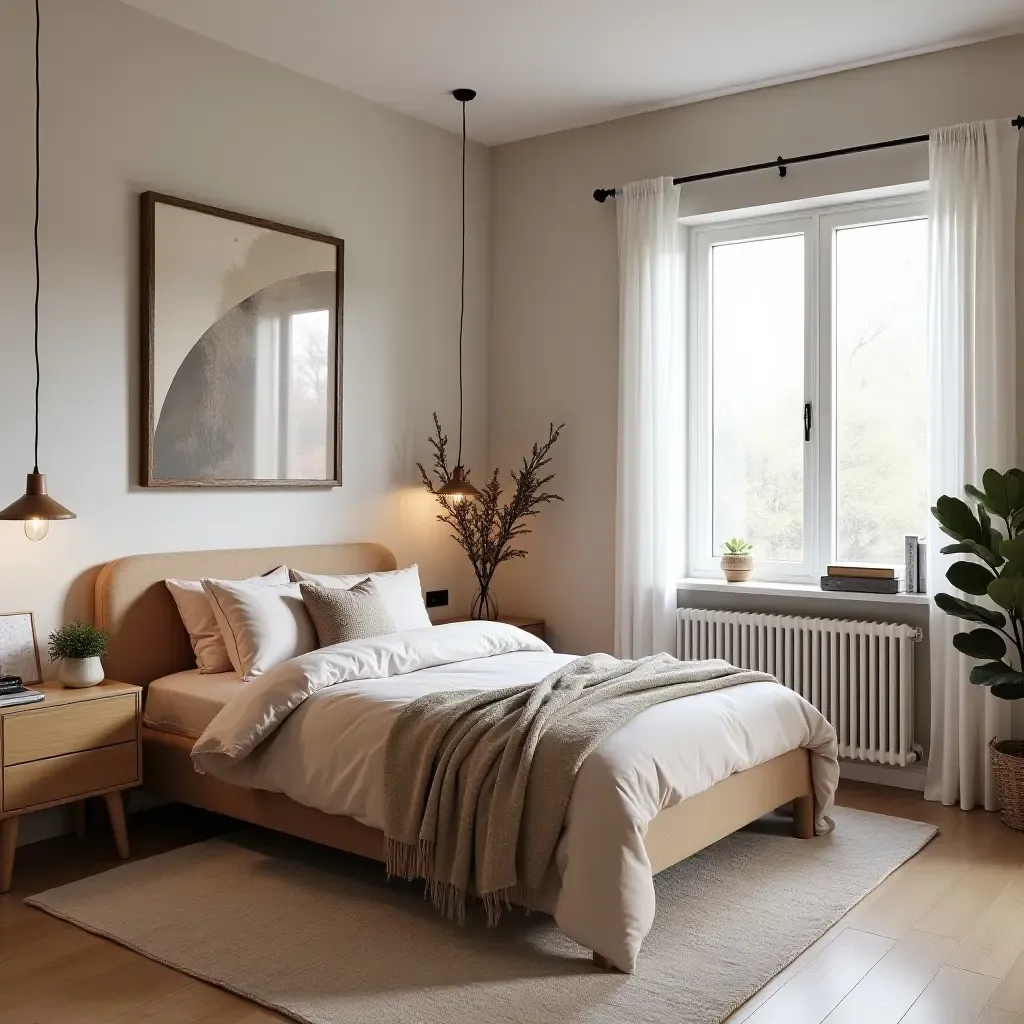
[(601, 194), (1018, 121)]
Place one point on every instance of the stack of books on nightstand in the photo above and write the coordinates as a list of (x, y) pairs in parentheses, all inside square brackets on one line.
[(858, 578), (12, 692)]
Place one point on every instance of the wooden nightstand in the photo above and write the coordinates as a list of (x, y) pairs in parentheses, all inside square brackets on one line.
[(72, 745), (530, 623)]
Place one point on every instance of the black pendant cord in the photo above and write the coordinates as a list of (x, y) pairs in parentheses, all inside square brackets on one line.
[(462, 294), (781, 163), (35, 245)]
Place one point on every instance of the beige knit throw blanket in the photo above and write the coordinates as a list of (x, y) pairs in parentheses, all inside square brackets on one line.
[(477, 784)]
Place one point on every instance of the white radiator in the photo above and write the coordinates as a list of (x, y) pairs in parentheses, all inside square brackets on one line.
[(859, 675)]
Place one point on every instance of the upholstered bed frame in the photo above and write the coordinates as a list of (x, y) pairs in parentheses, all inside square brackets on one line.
[(147, 641)]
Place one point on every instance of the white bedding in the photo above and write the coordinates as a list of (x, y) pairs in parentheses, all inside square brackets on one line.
[(314, 728)]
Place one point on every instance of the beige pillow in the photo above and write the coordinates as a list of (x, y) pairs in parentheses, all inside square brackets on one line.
[(341, 615), (262, 625), (197, 616), (399, 590)]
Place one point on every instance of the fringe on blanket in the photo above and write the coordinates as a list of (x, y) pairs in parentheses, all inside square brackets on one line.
[(408, 860), (412, 861)]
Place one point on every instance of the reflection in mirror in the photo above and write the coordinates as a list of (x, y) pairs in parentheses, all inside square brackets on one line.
[(249, 401)]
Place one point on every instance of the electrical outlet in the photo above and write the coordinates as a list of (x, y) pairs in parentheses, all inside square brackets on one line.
[(437, 598)]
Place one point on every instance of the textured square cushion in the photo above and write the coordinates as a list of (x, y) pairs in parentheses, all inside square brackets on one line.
[(198, 618), (262, 625), (340, 615), (399, 589)]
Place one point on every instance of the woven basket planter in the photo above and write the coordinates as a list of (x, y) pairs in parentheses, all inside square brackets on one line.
[(1008, 771)]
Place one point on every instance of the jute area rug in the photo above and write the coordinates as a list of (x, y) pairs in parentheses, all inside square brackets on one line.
[(326, 939)]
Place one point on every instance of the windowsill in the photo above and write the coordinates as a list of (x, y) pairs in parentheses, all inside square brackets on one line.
[(758, 588)]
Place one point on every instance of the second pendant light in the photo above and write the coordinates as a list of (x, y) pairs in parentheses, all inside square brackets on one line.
[(458, 487)]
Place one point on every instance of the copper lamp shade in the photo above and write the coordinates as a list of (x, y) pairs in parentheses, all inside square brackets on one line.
[(35, 503), (458, 487)]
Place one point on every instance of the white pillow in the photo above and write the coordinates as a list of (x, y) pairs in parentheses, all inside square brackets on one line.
[(197, 617), (262, 625), (399, 589)]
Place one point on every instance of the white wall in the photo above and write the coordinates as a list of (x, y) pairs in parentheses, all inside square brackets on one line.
[(133, 103), (554, 302)]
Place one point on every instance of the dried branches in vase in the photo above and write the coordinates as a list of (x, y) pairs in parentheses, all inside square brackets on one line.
[(485, 528)]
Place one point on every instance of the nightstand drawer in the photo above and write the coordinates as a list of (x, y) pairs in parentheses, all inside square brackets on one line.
[(69, 776), (67, 728)]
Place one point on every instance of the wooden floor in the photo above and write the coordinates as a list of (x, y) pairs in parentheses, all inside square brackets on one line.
[(939, 942)]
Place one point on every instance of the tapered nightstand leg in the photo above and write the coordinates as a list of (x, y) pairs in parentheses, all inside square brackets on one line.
[(115, 808), (8, 841)]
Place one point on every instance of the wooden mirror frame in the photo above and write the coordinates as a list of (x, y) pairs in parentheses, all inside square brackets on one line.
[(148, 476)]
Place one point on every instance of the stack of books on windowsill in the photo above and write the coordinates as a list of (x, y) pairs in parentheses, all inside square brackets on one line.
[(858, 578), (12, 692)]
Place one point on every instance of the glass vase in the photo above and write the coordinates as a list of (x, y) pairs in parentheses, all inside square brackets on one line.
[(485, 605)]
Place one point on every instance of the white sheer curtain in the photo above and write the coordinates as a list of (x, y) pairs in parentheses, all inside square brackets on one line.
[(650, 512), (972, 329)]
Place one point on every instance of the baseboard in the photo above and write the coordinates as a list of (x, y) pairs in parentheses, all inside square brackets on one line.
[(34, 828), (911, 777)]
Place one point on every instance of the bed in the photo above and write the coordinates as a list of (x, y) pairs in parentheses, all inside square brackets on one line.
[(148, 643)]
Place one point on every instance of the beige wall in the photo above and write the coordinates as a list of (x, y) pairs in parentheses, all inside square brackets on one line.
[(133, 103), (554, 300)]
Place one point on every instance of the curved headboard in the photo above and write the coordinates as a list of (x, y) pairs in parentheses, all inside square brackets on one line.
[(147, 639)]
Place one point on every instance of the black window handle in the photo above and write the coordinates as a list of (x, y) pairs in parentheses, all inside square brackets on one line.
[(807, 421)]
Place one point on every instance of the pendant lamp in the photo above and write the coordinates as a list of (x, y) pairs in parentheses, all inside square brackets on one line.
[(35, 507), (458, 487)]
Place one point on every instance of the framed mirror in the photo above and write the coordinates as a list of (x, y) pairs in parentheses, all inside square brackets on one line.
[(241, 349)]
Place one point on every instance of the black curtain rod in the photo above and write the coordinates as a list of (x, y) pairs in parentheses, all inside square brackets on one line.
[(781, 163)]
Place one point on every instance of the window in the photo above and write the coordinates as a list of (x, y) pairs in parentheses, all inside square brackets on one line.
[(808, 375)]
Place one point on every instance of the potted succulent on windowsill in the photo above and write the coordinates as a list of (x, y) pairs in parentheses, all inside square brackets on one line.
[(998, 574), (78, 646), (738, 560)]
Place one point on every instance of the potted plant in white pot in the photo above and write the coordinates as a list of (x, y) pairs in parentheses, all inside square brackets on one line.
[(78, 646), (998, 574), (738, 560)]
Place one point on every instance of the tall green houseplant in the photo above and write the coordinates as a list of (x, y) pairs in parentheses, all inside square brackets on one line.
[(996, 571)]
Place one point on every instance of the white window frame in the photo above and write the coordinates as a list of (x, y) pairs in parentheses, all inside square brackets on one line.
[(818, 226)]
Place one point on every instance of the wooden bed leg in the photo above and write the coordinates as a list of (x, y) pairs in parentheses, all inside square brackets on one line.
[(604, 963), (803, 817)]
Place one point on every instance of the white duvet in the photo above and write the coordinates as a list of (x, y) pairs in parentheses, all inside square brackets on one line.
[(314, 728)]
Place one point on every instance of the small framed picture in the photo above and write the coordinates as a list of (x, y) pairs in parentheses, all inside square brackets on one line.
[(19, 653)]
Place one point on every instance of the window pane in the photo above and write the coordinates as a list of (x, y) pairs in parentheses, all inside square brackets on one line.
[(757, 324), (881, 410)]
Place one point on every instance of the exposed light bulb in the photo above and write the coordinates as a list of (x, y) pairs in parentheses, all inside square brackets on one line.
[(36, 529), (457, 499)]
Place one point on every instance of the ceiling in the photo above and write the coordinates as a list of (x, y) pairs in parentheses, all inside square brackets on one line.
[(545, 65)]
